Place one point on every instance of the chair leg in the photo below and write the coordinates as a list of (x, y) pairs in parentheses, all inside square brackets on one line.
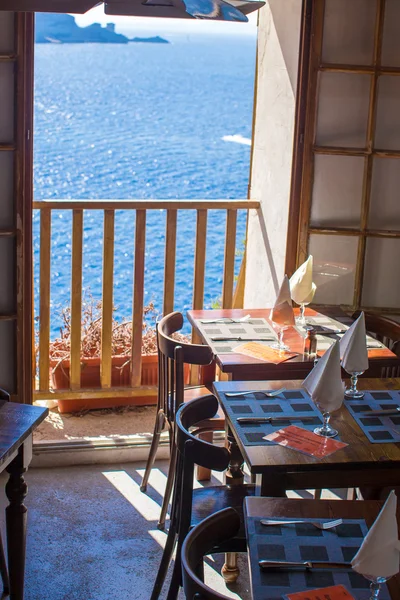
[(158, 428), (165, 562), (168, 488), (176, 579), (3, 569), (203, 474), (317, 494), (230, 571)]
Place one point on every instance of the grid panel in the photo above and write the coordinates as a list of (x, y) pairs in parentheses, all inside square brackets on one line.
[(367, 150)]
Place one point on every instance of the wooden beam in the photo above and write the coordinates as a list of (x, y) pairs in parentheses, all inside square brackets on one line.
[(76, 298), (229, 261), (170, 256), (119, 392), (138, 298), (146, 204), (107, 299), (200, 259), (44, 302)]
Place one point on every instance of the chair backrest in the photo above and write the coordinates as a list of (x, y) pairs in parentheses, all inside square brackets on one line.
[(386, 331), (200, 541), (172, 355), (194, 449), (190, 451)]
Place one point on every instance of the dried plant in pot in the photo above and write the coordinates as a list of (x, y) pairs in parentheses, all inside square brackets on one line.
[(90, 359)]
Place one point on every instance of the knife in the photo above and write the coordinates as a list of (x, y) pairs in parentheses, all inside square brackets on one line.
[(222, 338), (330, 332), (381, 413), (252, 420), (306, 565)]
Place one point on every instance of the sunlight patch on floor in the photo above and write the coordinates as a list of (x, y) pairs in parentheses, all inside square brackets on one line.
[(148, 508), (215, 580), (157, 480), (158, 536)]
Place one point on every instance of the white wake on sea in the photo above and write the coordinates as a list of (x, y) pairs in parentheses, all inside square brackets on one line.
[(237, 138)]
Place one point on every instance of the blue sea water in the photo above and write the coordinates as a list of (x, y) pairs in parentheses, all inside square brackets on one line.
[(141, 121)]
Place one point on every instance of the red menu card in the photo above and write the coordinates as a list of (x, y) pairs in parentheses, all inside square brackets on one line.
[(337, 592), (305, 441)]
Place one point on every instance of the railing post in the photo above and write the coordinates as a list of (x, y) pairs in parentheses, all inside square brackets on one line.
[(138, 296), (107, 302), (229, 262), (170, 255), (44, 303), (76, 299), (199, 277)]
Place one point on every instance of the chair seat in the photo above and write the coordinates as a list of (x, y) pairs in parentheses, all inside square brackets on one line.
[(218, 422), (209, 500)]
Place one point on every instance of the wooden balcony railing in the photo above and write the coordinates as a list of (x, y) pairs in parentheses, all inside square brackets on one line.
[(109, 207)]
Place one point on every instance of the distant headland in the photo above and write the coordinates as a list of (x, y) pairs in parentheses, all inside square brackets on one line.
[(62, 29)]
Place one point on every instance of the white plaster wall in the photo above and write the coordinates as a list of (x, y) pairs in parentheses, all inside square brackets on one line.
[(278, 51)]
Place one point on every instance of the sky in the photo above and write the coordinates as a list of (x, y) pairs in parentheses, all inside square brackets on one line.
[(154, 26)]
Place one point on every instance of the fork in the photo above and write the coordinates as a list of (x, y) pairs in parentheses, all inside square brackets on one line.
[(323, 526), (268, 394)]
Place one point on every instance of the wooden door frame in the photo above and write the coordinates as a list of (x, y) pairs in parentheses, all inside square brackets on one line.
[(23, 198)]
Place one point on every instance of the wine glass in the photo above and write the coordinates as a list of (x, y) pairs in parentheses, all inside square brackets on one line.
[(325, 430), (301, 319), (375, 585), (352, 391), (280, 344)]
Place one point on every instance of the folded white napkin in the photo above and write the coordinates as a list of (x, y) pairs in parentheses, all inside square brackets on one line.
[(301, 283), (282, 312), (324, 383), (379, 554), (353, 347)]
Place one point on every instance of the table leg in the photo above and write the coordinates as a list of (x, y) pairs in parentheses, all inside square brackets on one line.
[(234, 475), (16, 518), (270, 486), (230, 571)]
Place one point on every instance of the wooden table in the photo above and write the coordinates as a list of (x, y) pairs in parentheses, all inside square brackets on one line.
[(310, 509), (17, 422), (240, 367), (278, 469)]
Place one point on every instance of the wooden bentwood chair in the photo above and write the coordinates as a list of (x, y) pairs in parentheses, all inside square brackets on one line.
[(210, 533), (172, 356), (189, 506), (388, 332)]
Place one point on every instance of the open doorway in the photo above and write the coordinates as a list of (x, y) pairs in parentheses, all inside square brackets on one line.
[(133, 139)]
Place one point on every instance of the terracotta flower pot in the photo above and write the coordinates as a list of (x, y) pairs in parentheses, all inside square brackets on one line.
[(90, 379)]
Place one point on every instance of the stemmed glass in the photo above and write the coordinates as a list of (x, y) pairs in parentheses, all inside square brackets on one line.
[(280, 344), (301, 319), (375, 585), (352, 391), (325, 430)]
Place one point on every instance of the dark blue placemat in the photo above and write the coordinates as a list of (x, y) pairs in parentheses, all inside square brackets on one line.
[(293, 403), (379, 430), (306, 542)]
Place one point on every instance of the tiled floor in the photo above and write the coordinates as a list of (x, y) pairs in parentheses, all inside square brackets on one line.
[(92, 535)]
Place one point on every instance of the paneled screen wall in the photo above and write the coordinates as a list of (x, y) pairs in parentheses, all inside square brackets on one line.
[(16, 94), (350, 189)]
